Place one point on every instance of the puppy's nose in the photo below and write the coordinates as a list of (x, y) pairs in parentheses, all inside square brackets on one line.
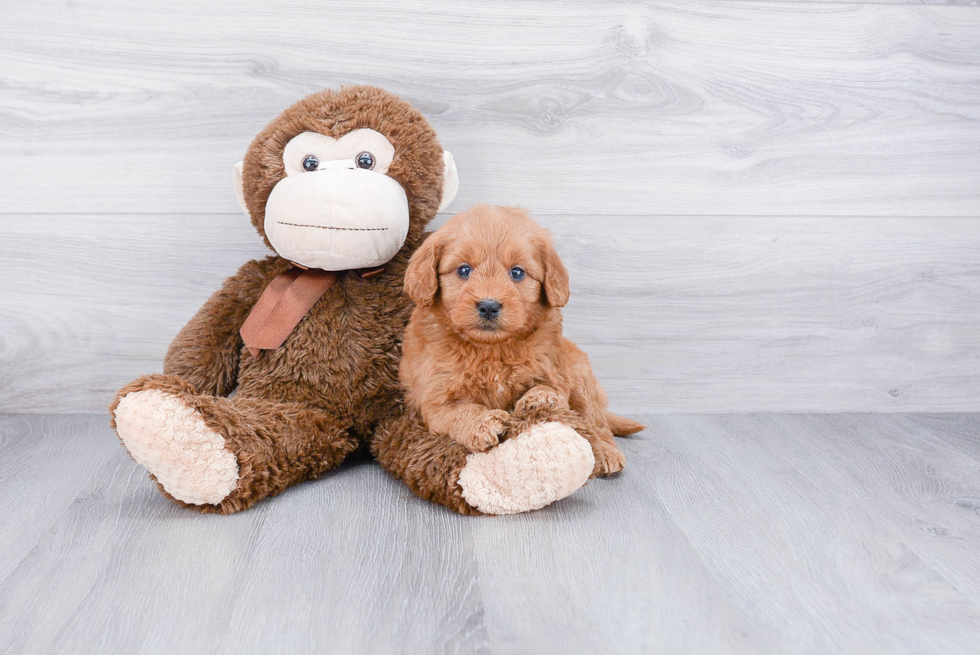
[(489, 309)]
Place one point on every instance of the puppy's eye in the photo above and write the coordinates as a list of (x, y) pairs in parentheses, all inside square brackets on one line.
[(464, 271), (365, 160), (310, 164), (517, 274)]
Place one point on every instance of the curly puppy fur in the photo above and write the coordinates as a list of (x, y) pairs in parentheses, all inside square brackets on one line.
[(469, 373), (301, 409)]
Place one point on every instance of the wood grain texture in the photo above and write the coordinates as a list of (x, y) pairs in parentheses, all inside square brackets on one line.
[(677, 314), (853, 502), (682, 152), (565, 107), (725, 534)]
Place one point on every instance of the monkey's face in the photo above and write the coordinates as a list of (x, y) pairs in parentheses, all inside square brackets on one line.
[(337, 208), (347, 201)]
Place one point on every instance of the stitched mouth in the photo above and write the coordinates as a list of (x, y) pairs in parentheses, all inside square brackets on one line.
[(331, 227)]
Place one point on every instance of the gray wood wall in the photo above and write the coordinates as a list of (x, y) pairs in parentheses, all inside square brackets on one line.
[(764, 206)]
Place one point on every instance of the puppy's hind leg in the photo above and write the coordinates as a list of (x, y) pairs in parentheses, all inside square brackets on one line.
[(609, 459)]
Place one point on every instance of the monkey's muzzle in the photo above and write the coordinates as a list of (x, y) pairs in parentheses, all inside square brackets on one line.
[(337, 218)]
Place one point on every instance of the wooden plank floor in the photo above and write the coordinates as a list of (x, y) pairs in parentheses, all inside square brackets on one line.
[(849, 533)]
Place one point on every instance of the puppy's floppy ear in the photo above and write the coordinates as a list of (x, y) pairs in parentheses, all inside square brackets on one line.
[(555, 275), (422, 275)]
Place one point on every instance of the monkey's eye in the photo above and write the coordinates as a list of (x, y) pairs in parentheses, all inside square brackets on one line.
[(517, 274), (464, 271), (365, 160), (310, 163)]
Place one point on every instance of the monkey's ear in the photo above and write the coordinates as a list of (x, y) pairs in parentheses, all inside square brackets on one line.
[(450, 180), (422, 274), (555, 276), (239, 187)]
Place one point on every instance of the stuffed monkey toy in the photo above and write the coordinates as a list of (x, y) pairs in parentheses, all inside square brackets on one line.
[(340, 186)]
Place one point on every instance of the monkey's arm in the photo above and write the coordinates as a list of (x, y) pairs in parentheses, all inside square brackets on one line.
[(206, 351)]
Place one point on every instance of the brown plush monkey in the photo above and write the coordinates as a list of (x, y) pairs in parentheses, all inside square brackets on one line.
[(341, 186)]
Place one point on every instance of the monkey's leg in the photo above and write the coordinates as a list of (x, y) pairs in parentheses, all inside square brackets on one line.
[(539, 464), (223, 455), (544, 404), (428, 464)]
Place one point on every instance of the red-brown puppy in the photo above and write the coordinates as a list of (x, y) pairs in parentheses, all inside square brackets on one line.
[(485, 337)]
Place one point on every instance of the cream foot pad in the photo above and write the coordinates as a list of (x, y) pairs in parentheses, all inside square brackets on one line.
[(529, 471), (173, 443)]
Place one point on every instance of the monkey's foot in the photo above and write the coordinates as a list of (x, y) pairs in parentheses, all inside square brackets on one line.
[(171, 440), (529, 471)]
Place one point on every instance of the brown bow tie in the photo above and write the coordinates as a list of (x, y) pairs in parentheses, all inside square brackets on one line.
[(284, 303)]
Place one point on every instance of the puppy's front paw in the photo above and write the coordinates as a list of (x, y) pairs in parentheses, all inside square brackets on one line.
[(608, 459), (486, 433), (540, 398)]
